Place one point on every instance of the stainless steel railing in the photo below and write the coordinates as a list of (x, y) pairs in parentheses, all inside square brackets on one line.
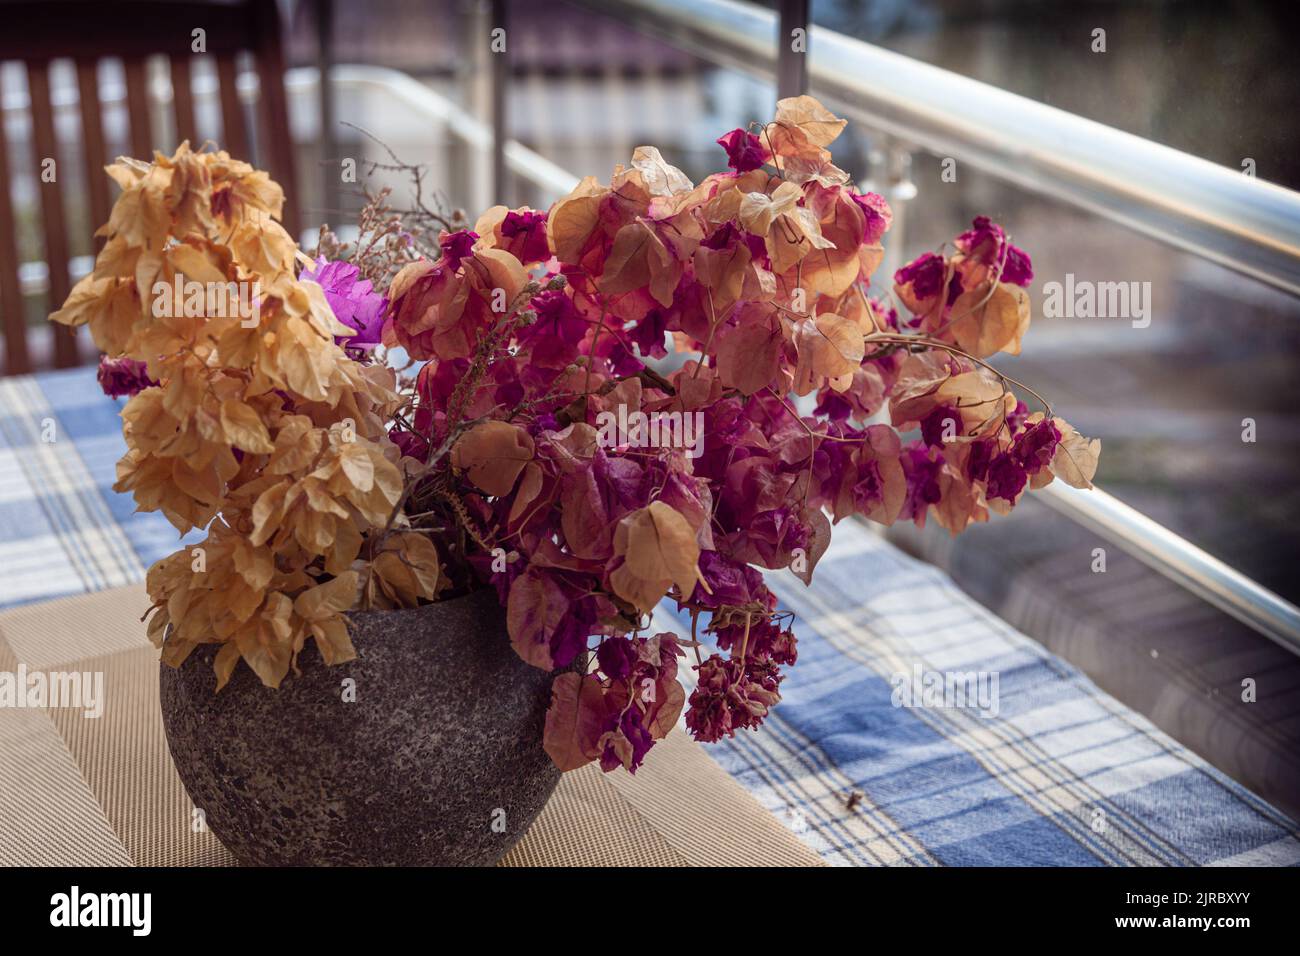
[(1179, 560), (429, 105)]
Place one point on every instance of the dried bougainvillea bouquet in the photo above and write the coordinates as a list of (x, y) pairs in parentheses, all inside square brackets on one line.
[(532, 442)]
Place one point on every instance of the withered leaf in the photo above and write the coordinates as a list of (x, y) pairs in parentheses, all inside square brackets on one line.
[(1075, 461), (749, 355), (534, 610), (659, 549), (820, 125), (987, 321), (493, 453), (573, 720), (244, 428), (322, 607), (660, 177), (829, 347), (573, 219)]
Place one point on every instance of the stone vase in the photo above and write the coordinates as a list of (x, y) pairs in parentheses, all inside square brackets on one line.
[(425, 750)]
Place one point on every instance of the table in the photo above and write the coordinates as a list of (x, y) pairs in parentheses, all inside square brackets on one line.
[(1060, 774)]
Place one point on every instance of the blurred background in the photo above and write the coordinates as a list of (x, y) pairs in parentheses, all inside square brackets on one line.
[(580, 85)]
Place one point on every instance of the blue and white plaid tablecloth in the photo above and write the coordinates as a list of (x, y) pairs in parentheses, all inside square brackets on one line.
[(1062, 775)]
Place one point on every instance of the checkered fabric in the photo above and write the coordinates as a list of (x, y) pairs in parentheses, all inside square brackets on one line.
[(1061, 774), (63, 530), (1049, 771)]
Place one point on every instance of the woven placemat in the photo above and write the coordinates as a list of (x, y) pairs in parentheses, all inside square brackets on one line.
[(77, 791)]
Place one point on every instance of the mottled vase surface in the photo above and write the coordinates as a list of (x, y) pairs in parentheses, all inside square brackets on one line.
[(438, 761)]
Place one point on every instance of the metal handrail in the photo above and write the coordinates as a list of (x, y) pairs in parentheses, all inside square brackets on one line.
[(1220, 214), (1179, 560), (414, 95)]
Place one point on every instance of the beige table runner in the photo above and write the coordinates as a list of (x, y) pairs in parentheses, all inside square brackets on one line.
[(80, 792)]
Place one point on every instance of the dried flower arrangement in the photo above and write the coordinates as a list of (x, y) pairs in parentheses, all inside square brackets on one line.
[(329, 482)]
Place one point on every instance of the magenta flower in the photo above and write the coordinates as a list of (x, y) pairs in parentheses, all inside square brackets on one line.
[(731, 695), (123, 376), (528, 230), (925, 273), (868, 490), (1016, 417), (877, 214), (409, 443), (981, 456), (456, 246), (730, 582), (1034, 447), (922, 474), (944, 419), (627, 737), (744, 150), (1007, 478), (353, 299), (987, 241), (616, 656)]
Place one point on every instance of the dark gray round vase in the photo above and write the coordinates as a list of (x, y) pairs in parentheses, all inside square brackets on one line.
[(438, 761)]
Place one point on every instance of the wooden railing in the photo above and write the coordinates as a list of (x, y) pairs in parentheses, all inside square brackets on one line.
[(88, 33)]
